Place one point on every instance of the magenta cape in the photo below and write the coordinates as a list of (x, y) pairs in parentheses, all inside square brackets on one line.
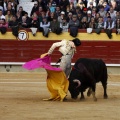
[(40, 63)]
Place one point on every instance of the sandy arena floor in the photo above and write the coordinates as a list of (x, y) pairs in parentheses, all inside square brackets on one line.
[(21, 97)]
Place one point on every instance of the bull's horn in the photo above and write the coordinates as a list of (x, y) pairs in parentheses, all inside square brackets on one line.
[(78, 82)]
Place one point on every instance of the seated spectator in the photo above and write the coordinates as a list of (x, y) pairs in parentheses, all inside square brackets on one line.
[(39, 11), (112, 14), (42, 3), (117, 15), (3, 23), (9, 7), (1, 15), (84, 12), (82, 6), (64, 25), (93, 12), (24, 22), (92, 23), (106, 17), (13, 22), (43, 14), (108, 26), (117, 26), (100, 23), (90, 6), (44, 27), (106, 6), (79, 15), (62, 15), (50, 18), (69, 16), (52, 8), (57, 11), (21, 11), (102, 12), (74, 25), (97, 17), (34, 8), (55, 26), (8, 16), (84, 24), (64, 4), (72, 7), (3, 26), (89, 15), (34, 21)]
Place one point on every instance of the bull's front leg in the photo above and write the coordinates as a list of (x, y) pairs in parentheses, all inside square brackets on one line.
[(93, 92), (82, 96)]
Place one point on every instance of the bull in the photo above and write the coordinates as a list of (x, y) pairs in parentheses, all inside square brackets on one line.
[(85, 74)]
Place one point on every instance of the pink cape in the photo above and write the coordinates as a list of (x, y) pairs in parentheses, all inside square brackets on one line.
[(40, 63)]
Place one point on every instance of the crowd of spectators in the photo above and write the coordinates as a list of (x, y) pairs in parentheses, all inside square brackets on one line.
[(60, 15)]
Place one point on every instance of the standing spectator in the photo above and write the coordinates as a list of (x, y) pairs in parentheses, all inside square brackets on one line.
[(74, 25)]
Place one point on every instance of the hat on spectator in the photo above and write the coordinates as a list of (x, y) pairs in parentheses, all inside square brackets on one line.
[(35, 2), (91, 3), (88, 12), (62, 12), (74, 16), (84, 9), (69, 13)]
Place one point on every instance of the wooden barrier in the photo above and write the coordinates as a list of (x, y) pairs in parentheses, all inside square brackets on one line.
[(14, 50)]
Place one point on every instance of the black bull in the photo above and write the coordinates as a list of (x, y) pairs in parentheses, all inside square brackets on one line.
[(85, 74)]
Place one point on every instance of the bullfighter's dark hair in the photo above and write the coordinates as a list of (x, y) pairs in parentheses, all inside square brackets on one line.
[(77, 42)]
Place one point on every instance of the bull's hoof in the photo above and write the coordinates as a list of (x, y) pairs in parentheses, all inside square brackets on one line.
[(105, 97), (82, 98)]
